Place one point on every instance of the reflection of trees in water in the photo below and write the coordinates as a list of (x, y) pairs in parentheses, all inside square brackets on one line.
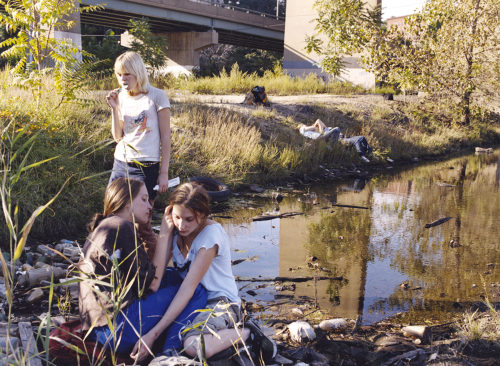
[(339, 240), (340, 237), (400, 299), (474, 203)]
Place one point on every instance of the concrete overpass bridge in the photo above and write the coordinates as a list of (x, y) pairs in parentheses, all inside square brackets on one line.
[(192, 25)]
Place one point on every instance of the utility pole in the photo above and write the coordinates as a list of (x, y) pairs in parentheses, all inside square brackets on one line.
[(277, 8)]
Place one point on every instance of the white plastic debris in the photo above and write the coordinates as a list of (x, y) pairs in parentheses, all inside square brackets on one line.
[(301, 330), (331, 324)]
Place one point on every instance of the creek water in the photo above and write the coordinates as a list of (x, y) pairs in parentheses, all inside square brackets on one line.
[(389, 261)]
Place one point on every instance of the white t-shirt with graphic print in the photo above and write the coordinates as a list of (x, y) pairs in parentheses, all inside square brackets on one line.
[(141, 131), (219, 279)]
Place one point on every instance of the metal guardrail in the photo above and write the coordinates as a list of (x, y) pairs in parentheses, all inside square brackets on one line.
[(220, 3)]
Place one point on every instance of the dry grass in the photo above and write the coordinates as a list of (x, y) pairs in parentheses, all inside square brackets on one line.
[(224, 143), (234, 144), (276, 82), (480, 326)]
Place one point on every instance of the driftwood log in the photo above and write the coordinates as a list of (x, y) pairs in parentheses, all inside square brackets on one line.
[(438, 222), (280, 216), (349, 206), (289, 279), (29, 344), (37, 275)]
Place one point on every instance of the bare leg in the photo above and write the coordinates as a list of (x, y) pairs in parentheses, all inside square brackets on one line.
[(320, 126), (213, 344)]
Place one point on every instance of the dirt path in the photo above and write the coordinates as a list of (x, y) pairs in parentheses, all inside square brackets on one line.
[(361, 100)]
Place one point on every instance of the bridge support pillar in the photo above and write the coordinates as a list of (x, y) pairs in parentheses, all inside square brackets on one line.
[(74, 34), (184, 49)]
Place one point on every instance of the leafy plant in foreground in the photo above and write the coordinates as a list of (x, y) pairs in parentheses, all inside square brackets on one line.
[(32, 25)]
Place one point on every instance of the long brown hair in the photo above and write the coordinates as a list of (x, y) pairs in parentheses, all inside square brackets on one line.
[(192, 196), (119, 193)]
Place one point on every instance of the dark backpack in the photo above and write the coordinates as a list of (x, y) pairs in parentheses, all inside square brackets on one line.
[(67, 347), (260, 96)]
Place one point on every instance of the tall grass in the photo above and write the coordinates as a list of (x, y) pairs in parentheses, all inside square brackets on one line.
[(21, 160), (72, 133), (276, 82), (221, 142)]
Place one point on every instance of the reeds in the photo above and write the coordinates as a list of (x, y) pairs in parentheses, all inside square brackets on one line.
[(276, 83)]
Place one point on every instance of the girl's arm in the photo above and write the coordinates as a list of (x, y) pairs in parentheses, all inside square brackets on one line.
[(310, 128), (164, 124), (196, 272), (163, 251), (116, 121), (116, 125)]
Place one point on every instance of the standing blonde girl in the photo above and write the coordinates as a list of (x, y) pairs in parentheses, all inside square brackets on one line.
[(140, 125)]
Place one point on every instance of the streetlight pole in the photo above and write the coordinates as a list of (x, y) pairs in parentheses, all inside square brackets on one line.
[(277, 8)]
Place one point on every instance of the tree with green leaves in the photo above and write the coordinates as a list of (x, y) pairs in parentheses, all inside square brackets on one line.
[(343, 28), (31, 26), (450, 47), (222, 57), (152, 48), (103, 42)]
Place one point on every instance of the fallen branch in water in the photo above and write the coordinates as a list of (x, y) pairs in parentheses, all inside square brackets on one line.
[(280, 216), (289, 279), (250, 259), (349, 206), (438, 222)]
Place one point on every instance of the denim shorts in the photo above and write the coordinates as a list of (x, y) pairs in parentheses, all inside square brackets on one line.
[(146, 171), (220, 313)]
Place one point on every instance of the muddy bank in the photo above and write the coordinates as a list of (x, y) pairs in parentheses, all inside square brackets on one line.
[(303, 333)]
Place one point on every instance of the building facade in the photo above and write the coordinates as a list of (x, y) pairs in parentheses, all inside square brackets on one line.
[(300, 23)]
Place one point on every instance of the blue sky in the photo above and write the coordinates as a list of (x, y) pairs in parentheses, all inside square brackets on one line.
[(396, 8)]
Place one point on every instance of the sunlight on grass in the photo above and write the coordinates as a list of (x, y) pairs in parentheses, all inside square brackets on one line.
[(265, 113), (476, 326)]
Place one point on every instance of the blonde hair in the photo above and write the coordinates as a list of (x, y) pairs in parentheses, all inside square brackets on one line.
[(131, 63)]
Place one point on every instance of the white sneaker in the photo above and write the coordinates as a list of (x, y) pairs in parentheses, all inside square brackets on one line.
[(365, 159)]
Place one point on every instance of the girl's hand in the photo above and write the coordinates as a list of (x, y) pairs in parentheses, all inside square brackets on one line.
[(163, 182), (167, 218), (112, 98), (143, 347)]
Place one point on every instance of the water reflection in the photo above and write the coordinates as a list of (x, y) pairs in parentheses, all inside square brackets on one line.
[(389, 261)]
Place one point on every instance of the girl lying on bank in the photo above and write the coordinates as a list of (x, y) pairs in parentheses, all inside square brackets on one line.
[(120, 284), (201, 254)]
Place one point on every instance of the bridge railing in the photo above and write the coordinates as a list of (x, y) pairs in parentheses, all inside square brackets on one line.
[(238, 8)]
